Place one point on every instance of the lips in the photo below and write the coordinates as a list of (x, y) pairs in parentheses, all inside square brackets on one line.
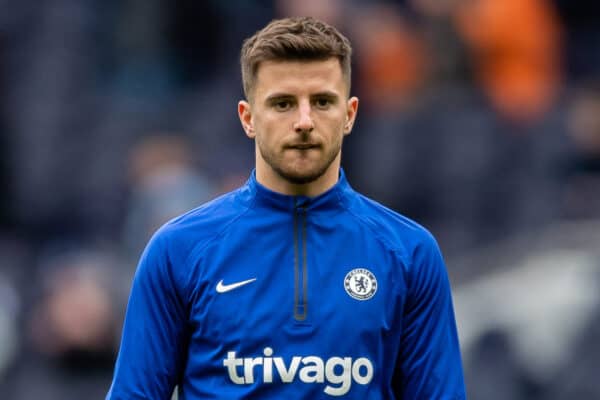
[(303, 146)]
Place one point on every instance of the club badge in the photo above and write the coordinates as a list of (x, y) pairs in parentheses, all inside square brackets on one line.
[(360, 284)]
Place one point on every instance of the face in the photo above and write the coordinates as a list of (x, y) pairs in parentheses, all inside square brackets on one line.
[(298, 115)]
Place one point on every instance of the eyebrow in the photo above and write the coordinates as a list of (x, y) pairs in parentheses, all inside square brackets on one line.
[(278, 96), (283, 95), (326, 93)]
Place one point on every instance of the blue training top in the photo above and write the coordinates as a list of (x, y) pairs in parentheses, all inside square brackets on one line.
[(259, 295)]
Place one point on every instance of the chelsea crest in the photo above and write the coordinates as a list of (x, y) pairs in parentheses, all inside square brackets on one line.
[(360, 284)]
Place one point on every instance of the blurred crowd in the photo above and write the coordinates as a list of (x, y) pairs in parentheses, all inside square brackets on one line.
[(478, 118)]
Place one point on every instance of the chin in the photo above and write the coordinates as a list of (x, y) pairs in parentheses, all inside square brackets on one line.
[(302, 176)]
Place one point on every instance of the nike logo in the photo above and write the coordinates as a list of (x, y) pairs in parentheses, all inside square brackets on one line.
[(221, 288)]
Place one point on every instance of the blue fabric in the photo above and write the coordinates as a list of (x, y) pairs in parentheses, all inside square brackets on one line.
[(331, 296)]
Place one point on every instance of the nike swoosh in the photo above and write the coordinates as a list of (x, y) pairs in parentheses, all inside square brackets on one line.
[(221, 288)]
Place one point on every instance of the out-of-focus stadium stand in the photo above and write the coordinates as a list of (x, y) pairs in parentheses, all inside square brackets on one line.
[(478, 118)]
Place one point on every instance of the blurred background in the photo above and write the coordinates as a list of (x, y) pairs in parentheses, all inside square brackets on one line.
[(479, 118)]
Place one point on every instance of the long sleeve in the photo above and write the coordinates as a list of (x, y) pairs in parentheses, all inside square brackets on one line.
[(153, 344), (429, 364)]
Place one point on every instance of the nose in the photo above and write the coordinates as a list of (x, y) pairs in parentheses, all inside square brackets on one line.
[(304, 123)]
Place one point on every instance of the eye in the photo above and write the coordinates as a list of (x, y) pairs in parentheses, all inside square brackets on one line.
[(282, 105), (323, 103)]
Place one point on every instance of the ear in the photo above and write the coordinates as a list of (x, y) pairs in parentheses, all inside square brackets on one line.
[(245, 114), (351, 110)]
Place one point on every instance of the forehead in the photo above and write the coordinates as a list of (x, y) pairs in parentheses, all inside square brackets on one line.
[(299, 77)]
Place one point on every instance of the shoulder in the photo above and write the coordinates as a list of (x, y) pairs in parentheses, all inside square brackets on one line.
[(182, 235), (398, 232), (421, 260)]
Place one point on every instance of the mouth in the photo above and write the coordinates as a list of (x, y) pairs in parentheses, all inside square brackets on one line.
[(303, 146)]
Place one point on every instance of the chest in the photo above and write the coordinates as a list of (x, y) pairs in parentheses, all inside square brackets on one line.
[(296, 283)]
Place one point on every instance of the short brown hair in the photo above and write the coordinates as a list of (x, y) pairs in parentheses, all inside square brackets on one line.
[(297, 39)]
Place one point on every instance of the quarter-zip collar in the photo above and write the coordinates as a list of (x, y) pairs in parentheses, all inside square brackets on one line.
[(260, 196)]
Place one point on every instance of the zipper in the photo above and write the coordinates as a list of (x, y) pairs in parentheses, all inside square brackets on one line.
[(300, 267)]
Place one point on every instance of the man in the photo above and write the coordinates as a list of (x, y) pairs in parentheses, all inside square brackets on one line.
[(293, 286)]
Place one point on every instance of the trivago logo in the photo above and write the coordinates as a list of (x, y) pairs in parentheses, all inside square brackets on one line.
[(337, 372)]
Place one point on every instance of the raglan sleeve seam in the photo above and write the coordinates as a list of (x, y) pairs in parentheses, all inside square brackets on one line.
[(200, 247)]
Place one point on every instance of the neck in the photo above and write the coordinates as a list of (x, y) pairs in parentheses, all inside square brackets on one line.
[(270, 179)]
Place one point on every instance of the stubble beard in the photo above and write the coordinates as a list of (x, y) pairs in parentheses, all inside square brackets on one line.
[(299, 176)]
